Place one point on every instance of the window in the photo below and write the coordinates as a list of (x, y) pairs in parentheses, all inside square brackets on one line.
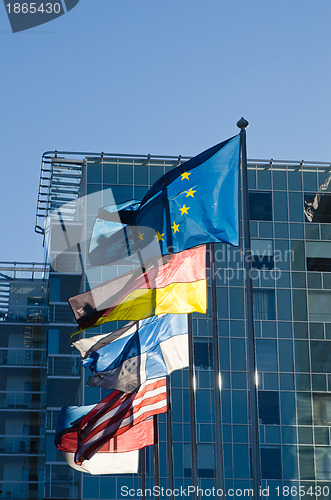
[(263, 254), (322, 409), (125, 174), (264, 304), (206, 461), (319, 303), (271, 462), (320, 352), (269, 407), (62, 392), (187, 461), (203, 353), (318, 256), (94, 172), (266, 355), (109, 173), (260, 205), (54, 289), (322, 463), (317, 207), (63, 287), (53, 341), (319, 264)]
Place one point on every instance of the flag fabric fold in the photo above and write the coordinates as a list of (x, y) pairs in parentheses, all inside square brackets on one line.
[(125, 358), (193, 204), (116, 414), (137, 437), (118, 455), (173, 284), (107, 463)]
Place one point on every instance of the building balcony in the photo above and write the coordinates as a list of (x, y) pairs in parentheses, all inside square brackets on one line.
[(22, 489), (21, 445), (64, 365), (13, 356), (24, 314), (22, 399)]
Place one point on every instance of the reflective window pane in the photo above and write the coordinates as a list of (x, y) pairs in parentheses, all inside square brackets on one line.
[(317, 207), (264, 304), (260, 205), (266, 354), (319, 303), (271, 462), (269, 407)]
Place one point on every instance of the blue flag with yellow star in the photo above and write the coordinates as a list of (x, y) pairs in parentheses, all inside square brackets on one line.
[(193, 204)]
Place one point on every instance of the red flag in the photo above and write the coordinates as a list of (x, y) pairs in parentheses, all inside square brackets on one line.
[(116, 414)]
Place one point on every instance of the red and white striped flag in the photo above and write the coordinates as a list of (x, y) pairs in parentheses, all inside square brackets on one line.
[(117, 413)]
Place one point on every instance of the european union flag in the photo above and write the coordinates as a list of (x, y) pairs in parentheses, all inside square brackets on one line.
[(193, 204)]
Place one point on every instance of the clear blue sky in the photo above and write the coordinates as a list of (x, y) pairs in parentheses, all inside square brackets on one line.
[(160, 77)]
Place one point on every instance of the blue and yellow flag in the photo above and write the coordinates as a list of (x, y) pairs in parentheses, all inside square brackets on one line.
[(193, 204)]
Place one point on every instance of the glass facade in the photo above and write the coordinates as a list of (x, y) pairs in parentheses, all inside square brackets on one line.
[(23, 333), (290, 207)]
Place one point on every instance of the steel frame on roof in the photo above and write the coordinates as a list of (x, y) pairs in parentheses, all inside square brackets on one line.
[(58, 172)]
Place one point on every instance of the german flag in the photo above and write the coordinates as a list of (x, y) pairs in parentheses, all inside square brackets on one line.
[(174, 284)]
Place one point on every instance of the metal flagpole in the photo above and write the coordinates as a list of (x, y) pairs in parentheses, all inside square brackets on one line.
[(217, 376), (156, 453), (143, 472), (194, 452), (170, 441), (253, 406)]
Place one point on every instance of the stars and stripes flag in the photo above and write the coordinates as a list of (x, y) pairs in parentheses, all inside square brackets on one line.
[(119, 455), (116, 414)]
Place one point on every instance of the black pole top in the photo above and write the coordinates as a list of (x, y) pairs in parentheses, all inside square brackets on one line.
[(242, 123)]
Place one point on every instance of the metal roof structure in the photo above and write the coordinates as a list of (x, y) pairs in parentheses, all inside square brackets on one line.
[(61, 175)]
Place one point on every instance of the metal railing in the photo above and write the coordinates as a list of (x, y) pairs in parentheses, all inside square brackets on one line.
[(31, 400), (22, 489), (24, 314), (60, 180), (21, 445), (64, 365), (51, 418), (22, 357), (60, 314), (22, 270)]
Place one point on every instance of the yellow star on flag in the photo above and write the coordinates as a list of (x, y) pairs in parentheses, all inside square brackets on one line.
[(175, 228), (141, 236), (159, 236), (185, 175), (184, 209), (190, 192)]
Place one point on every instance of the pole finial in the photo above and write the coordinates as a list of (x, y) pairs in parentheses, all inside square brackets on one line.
[(242, 123)]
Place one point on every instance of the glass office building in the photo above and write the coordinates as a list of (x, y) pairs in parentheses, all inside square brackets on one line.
[(290, 213), (23, 334)]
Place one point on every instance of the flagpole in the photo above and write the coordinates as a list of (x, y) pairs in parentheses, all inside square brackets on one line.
[(253, 396), (217, 376), (170, 441), (143, 472), (156, 453), (194, 448)]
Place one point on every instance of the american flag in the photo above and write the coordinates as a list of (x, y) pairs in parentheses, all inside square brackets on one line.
[(117, 413)]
